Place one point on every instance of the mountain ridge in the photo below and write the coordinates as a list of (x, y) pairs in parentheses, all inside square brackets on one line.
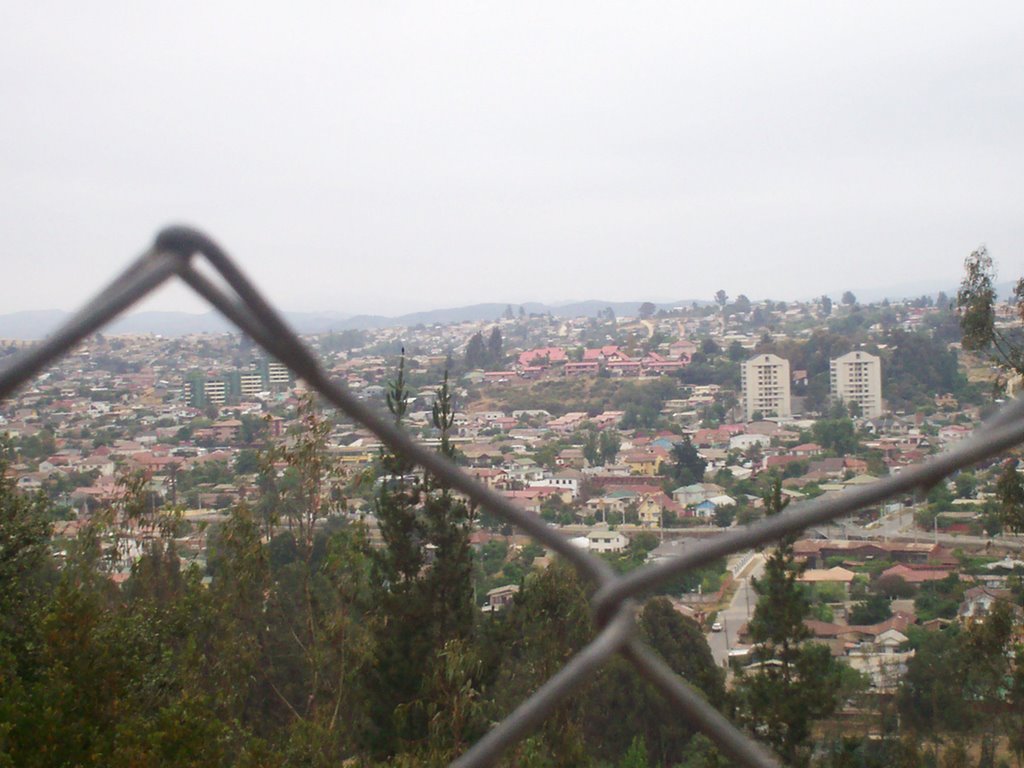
[(37, 324)]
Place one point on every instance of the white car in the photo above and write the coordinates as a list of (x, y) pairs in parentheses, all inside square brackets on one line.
[(716, 627)]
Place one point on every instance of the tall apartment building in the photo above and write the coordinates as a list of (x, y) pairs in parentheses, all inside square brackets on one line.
[(231, 386), (856, 377), (765, 384), (278, 373)]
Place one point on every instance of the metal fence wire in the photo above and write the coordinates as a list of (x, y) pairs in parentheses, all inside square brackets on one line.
[(176, 252)]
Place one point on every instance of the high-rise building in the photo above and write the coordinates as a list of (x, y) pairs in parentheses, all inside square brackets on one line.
[(765, 383), (278, 373), (856, 377), (222, 387), (250, 384)]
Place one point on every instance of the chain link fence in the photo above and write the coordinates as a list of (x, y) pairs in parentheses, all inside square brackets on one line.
[(178, 251)]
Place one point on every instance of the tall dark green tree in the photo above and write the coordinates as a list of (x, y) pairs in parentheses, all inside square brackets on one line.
[(425, 604), (687, 465), (622, 706), (796, 682), (525, 651), (1010, 493), (609, 445), (495, 349), (591, 448), (476, 351)]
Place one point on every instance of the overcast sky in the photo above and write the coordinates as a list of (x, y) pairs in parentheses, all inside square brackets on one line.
[(387, 157)]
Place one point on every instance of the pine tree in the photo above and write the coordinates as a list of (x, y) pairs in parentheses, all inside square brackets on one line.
[(796, 682), (425, 604), (476, 351), (495, 352)]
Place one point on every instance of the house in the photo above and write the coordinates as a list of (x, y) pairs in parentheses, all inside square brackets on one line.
[(571, 457), (745, 442), (601, 539), (614, 502), (806, 449), (530, 499), (682, 350), (978, 602), (645, 462), (567, 423), (953, 433), (489, 476), (817, 551), (708, 507), (567, 481), (917, 574), (608, 353), (649, 513), (501, 597), (837, 575), (884, 661), (588, 368), (690, 495), (542, 357)]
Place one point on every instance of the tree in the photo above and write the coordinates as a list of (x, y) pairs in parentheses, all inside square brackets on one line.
[(25, 569), (495, 353), (871, 611), (247, 462), (826, 306), (623, 708), (688, 467), (476, 351), (646, 310), (425, 605), (724, 516), (1010, 493), (548, 622), (742, 304), (709, 347), (849, 299), (975, 303), (796, 682), (836, 435), (609, 445), (721, 298), (591, 449)]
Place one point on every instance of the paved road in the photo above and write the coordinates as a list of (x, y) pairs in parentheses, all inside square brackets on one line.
[(741, 607), (900, 526)]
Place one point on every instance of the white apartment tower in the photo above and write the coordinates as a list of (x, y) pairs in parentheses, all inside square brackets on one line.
[(856, 377), (765, 381)]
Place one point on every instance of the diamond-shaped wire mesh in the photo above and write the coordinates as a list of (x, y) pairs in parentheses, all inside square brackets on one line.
[(173, 254)]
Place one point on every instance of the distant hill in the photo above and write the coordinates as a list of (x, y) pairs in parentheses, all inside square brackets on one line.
[(32, 324), (38, 324)]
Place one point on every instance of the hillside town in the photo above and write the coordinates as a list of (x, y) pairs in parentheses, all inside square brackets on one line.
[(636, 437)]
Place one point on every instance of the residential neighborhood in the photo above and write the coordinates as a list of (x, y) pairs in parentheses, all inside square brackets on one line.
[(636, 438)]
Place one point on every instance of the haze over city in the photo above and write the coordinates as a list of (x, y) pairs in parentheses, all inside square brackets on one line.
[(391, 158)]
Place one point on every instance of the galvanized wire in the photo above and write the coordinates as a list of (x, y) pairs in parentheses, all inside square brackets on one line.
[(173, 253)]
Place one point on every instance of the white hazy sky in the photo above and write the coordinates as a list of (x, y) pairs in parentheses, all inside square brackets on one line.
[(387, 157)]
